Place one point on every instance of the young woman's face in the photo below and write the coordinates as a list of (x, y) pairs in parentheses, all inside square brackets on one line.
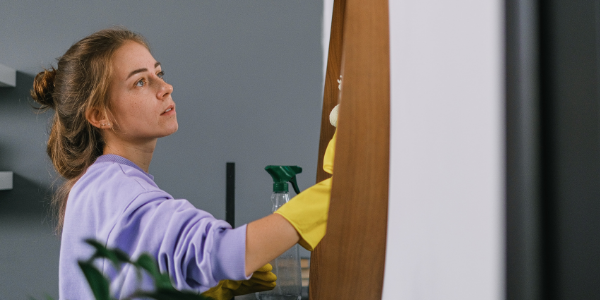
[(140, 99)]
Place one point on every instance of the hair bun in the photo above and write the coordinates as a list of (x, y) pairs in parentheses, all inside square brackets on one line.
[(43, 88)]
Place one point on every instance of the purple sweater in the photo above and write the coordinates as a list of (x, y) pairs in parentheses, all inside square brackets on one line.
[(118, 204)]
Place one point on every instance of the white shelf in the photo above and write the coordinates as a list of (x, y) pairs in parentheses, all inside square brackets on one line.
[(8, 76), (6, 180)]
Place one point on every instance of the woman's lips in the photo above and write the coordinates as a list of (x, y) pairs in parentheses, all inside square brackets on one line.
[(169, 111)]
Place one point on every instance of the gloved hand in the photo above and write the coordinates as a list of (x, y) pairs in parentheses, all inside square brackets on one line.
[(308, 211), (262, 280)]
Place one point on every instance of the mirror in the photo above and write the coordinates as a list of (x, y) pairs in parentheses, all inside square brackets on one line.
[(248, 83)]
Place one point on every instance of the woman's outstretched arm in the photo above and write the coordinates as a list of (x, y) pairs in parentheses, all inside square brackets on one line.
[(266, 239), (307, 213)]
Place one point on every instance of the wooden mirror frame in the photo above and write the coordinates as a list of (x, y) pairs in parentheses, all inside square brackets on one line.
[(349, 262)]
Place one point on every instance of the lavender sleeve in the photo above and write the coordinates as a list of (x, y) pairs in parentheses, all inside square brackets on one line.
[(196, 249), (118, 204)]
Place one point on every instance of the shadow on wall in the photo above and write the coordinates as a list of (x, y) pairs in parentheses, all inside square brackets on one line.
[(18, 97), (27, 198), (22, 151)]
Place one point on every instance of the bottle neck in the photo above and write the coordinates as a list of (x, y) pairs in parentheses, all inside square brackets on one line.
[(279, 199)]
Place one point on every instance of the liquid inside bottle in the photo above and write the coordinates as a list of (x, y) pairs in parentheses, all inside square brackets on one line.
[(286, 267)]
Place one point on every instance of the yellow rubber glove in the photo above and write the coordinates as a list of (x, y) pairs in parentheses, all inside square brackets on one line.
[(308, 211), (262, 280), (328, 157)]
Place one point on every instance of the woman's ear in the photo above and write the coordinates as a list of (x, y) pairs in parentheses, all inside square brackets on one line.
[(98, 119)]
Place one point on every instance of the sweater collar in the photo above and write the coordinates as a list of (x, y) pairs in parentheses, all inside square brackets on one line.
[(121, 160)]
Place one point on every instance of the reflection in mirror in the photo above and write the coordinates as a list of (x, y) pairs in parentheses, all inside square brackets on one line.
[(248, 83)]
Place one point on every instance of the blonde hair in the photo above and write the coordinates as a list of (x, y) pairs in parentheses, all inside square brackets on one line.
[(80, 82)]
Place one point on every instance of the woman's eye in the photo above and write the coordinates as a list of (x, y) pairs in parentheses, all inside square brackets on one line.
[(140, 82), (160, 74)]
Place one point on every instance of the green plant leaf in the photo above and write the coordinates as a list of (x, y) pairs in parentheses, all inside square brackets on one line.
[(161, 281), (98, 283), (101, 287), (147, 263), (171, 294), (46, 296), (116, 256)]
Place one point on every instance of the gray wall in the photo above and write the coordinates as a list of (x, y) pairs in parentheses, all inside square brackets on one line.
[(248, 87)]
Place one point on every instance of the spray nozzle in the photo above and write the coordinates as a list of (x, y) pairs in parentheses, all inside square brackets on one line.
[(282, 175)]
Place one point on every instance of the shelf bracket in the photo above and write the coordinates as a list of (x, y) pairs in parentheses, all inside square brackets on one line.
[(8, 76), (6, 180)]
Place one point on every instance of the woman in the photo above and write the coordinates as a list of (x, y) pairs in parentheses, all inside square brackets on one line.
[(112, 104)]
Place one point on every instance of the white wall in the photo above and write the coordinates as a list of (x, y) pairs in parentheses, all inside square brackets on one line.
[(327, 18), (445, 223)]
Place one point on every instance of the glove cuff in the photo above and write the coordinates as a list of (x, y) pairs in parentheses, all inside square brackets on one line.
[(307, 213)]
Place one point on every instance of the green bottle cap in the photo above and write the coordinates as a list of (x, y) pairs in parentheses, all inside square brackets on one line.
[(282, 175)]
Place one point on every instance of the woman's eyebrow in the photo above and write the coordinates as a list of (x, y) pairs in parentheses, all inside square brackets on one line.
[(141, 70)]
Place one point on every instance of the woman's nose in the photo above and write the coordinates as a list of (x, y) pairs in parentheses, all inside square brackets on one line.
[(164, 90)]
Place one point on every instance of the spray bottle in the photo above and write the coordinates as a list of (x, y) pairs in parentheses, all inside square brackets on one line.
[(287, 266)]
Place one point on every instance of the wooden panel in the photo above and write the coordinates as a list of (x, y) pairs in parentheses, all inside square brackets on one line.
[(330, 100), (352, 256)]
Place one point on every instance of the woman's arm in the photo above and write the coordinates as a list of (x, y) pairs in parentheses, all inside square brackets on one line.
[(266, 239), (270, 236)]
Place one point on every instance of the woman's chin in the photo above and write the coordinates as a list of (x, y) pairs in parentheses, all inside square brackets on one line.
[(172, 129)]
